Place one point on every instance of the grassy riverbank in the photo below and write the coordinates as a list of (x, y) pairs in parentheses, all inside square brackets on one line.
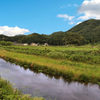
[(9, 93), (86, 54), (74, 63)]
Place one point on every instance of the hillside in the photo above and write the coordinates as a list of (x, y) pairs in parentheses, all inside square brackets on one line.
[(83, 33), (5, 38), (89, 29), (34, 38), (57, 33)]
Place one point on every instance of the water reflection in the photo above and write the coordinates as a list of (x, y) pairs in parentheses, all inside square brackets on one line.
[(55, 88)]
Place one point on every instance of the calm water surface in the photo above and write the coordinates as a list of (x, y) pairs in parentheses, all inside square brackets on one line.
[(50, 88)]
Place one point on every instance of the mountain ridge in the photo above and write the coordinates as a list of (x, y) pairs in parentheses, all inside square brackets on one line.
[(89, 30)]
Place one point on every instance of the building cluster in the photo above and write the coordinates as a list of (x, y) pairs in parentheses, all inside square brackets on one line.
[(32, 44)]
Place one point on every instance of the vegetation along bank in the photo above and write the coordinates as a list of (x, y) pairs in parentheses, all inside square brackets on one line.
[(72, 63)]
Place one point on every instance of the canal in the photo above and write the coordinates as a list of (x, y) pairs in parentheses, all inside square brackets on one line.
[(51, 88)]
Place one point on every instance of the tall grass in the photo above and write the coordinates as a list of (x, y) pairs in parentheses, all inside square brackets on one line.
[(60, 67), (83, 54)]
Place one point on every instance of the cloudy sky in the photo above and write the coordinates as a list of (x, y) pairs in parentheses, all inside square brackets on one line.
[(45, 16)]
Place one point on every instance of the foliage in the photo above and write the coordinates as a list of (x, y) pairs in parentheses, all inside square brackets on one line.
[(5, 38), (56, 39), (89, 29), (18, 38), (34, 38), (6, 43), (74, 38)]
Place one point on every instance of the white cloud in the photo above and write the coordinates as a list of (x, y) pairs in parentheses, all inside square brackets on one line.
[(71, 23), (63, 7), (11, 31), (78, 23), (75, 5), (90, 9), (65, 16)]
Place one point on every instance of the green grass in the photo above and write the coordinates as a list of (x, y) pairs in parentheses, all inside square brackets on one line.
[(79, 66), (53, 48), (9, 93), (85, 54)]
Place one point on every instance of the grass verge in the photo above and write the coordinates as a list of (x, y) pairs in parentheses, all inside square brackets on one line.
[(75, 54), (68, 70)]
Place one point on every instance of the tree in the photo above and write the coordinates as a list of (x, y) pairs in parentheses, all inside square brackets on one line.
[(73, 38)]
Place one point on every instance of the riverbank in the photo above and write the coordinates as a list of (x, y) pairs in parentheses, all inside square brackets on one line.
[(83, 54), (76, 71), (45, 85), (9, 93)]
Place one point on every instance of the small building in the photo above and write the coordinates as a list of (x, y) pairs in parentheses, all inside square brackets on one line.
[(46, 44), (33, 44), (25, 44), (37, 44)]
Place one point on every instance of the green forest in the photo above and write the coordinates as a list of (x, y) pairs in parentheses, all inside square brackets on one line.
[(81, 34)]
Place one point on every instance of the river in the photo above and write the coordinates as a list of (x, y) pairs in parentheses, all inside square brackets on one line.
[(39, 84)]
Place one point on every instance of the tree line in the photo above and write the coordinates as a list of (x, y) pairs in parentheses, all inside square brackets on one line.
[(83, 33), (57, 38)]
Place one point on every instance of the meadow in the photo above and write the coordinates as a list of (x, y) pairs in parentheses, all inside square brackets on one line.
[(77, 63), (85, 54)]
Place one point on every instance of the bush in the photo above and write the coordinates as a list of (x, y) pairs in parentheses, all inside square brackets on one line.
[(83, 78), (6, 43)]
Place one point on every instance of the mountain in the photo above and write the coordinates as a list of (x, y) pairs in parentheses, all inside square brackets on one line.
[(83, 33), (56, 33), (34, 38), (5, 38), (89, 29)]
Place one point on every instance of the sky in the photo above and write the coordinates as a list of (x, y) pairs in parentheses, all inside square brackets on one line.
[(45, 16)]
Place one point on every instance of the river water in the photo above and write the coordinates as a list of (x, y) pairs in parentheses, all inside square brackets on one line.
[(39, 84)]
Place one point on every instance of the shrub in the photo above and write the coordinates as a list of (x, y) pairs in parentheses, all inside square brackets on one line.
[(6, 43)]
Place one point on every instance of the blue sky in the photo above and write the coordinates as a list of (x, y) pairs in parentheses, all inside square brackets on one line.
[(44, 16)]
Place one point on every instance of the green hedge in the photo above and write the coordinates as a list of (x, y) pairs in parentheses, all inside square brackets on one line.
[(6, 43)]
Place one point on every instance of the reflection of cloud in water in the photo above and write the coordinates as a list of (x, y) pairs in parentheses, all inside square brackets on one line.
[(6, 71), (29, 82)]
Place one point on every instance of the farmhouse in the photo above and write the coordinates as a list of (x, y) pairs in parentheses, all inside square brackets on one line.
[(33, 44), (37, 44), (25, 44), (46, 44)]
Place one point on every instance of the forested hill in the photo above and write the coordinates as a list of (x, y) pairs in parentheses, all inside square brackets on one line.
[(57, 33), (83, 33), (89, 29), (5, 38)]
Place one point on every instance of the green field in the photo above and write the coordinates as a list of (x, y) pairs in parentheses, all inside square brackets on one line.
[(79, 63)]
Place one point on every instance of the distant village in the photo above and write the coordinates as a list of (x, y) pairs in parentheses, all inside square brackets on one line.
[(32, 44)]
